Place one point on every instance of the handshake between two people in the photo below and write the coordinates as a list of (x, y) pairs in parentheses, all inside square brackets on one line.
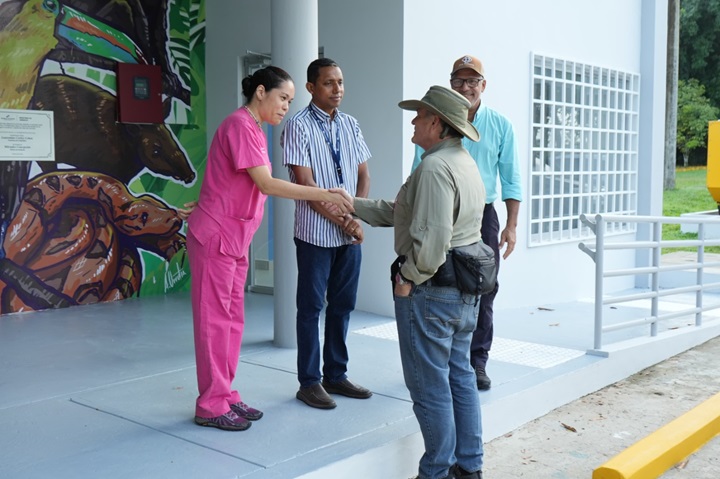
[(336, 201), (339, 203), (345, 220)]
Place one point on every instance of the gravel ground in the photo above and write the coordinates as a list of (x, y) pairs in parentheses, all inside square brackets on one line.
[(573, 440)]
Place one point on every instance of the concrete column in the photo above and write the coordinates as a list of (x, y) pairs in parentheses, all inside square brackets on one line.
[(294, 44), (651, 148)]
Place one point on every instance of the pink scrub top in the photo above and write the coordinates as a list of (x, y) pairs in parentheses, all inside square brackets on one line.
[(230, 203)]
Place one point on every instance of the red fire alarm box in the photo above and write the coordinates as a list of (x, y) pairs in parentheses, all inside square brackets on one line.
[(139, 93)]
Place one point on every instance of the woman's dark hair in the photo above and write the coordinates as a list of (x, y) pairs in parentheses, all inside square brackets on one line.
[(269, 77), (313, 70)]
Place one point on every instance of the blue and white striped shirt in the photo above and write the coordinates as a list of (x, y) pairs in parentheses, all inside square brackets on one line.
[(305, 144)]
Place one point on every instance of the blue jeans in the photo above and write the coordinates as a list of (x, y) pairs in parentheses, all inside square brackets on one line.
[(331, 273), (435, 326)]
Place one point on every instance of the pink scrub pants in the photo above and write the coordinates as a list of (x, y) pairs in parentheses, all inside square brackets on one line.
[(218, 303)]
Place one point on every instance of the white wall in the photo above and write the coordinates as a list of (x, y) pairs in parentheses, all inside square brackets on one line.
[(503, 35), (232, 28), (365, 38), (653, 64), (394, 50)]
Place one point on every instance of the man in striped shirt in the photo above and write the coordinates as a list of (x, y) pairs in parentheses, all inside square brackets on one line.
[(324, 147)]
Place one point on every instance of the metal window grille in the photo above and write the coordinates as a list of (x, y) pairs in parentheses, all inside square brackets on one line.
[(584, 148)]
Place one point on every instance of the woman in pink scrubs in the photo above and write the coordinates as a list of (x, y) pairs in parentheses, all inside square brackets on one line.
[(229, 210)]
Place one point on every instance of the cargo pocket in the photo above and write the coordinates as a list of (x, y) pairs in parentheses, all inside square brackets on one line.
[(236, 235)]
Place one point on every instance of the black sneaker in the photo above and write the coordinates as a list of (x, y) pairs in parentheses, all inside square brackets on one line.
[(245, 411), (316, 396), (227, 422), (483, 381)]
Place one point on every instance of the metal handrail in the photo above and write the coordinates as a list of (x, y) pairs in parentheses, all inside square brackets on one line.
[(597, 225)]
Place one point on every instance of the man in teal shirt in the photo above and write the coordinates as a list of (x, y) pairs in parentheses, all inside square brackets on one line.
[(495, 155)]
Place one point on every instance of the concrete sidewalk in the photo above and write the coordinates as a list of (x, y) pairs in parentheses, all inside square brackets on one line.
[(108, 391)]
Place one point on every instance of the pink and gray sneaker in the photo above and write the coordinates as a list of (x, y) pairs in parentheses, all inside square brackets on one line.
[(246, 412), (229, 421)]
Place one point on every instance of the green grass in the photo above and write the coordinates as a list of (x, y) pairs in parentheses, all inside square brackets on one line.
[(690, 195)]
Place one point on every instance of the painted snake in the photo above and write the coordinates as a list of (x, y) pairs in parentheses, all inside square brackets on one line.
[(75, 240)]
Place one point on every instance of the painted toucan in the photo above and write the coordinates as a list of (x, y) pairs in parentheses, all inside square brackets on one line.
[(34, 32)]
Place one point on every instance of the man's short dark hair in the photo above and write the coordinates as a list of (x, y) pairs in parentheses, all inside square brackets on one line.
[(313, 70)]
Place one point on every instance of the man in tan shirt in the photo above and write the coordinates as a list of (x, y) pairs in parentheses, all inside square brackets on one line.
[(438, 208)]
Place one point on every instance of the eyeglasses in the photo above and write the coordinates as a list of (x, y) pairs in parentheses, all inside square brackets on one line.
[(471, 82)]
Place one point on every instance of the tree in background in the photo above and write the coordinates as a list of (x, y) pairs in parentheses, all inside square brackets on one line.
[(700, 45), (693, 114)]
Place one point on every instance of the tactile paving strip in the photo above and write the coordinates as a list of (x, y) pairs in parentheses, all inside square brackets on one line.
[(506, 350), (531, 354), (382, 331)]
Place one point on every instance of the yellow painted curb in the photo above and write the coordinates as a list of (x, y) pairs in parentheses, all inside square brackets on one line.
[(650, 457)]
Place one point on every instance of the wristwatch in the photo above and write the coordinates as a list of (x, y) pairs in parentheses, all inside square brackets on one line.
[(399, 279)]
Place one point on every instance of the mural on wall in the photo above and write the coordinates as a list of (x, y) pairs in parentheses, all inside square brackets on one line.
[(99, 223)]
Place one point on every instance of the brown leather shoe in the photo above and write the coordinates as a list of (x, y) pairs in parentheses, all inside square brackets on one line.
[(347, 388), (315, 396)]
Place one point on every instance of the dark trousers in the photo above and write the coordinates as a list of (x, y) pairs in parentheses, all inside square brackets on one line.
[(483, 335), (331, 273)]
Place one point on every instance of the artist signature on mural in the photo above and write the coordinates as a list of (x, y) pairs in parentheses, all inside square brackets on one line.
[(174, 277)]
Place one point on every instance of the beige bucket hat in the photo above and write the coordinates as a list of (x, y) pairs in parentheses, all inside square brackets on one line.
[(449, 105)]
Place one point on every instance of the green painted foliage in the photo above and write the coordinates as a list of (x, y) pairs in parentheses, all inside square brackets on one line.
[(188, 52), (179, 44)]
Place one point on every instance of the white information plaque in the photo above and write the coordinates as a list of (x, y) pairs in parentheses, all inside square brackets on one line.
[(26, 135)]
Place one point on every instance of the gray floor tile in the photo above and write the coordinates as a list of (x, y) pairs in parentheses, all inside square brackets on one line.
[(108, 391), (61, 439)]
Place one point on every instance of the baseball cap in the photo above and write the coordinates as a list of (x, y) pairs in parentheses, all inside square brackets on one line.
[(468, 61)]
